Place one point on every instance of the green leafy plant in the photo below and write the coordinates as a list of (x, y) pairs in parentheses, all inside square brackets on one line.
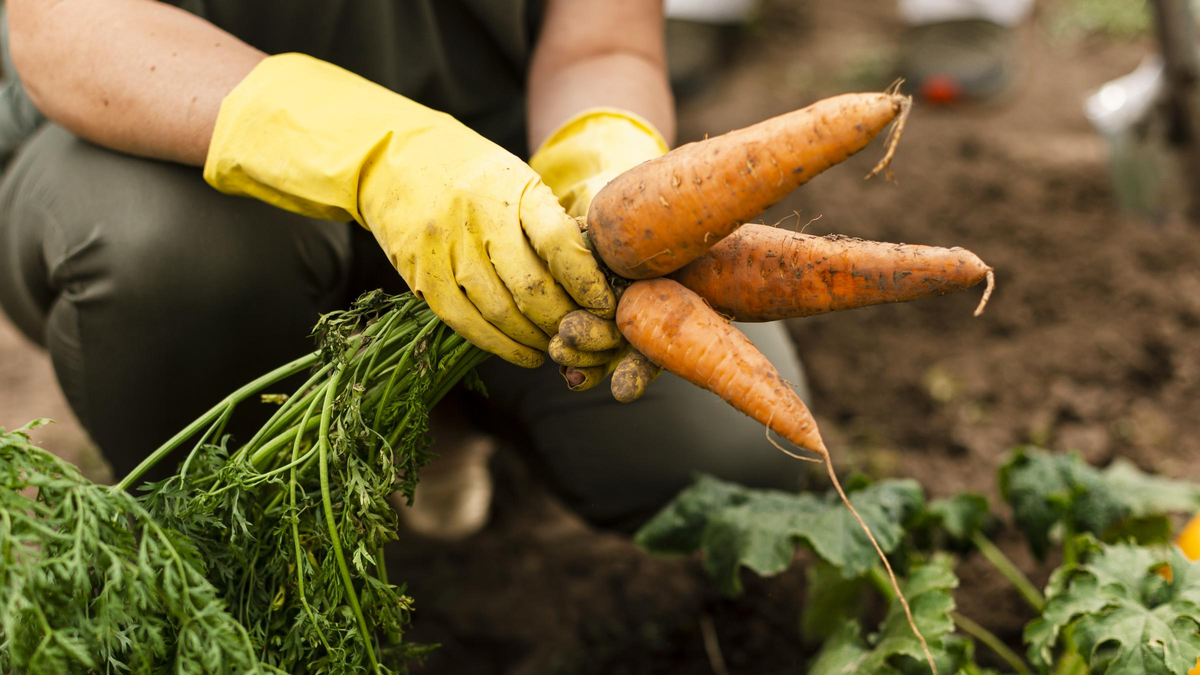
[(1061, 493), (894, 648), (268, 556), (91, 582), (1127, 606), (759, 529)]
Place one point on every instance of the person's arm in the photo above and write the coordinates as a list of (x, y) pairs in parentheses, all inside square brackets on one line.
[(137, 76), (599, 54)]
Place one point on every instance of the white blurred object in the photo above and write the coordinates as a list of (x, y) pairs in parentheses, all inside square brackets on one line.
[(711, 11), (1127, 114), (454, 497), (1123, 102), (1003, 12)]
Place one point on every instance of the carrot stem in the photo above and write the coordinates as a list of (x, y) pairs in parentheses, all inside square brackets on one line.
[(335, 542)]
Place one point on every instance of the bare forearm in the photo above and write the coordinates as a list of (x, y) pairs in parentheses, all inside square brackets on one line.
[(133, 75), (606, 54)]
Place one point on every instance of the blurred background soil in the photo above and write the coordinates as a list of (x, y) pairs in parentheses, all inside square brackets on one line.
[(1091, 342)]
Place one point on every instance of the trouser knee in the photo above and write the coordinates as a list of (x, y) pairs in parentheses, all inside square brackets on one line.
[(154, 294)]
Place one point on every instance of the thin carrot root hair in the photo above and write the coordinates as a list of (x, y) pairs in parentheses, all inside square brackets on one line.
[(987, 292), (893, 137), (789, 453), (912, 623), (837, 485)]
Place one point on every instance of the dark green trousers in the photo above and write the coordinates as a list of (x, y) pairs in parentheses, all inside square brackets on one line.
[(156, 296)]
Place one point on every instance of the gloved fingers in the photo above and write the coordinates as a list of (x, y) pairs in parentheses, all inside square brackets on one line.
[(477, 278), (582, 379), (563, 355), (631, 377), (528, 279), (556, 238), (451, 305), (585, 331)]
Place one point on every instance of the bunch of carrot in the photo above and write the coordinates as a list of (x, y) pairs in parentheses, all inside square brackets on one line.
[(675, 226), (305, 501)]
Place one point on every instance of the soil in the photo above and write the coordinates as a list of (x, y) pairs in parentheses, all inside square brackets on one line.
[(1091, 342)]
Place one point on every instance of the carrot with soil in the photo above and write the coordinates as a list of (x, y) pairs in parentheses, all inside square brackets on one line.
[(661, 215), (762, 273)]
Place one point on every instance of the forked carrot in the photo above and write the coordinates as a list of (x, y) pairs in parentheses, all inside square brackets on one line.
[(662, 214), (676, 329), (762, 273)]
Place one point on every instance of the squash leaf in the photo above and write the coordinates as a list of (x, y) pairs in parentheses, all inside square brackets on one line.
[(1048, 491), (1122, 609), (740, 527), (894, 649)]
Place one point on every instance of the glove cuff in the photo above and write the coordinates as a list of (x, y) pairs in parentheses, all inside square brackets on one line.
[(299, 133), (592, 148)]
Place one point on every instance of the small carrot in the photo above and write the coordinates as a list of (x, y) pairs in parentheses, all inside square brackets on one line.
[(676, 329), (762, 273), (662, 214)]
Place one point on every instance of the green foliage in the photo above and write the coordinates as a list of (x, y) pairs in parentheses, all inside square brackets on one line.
[(894, 649), (1049, 490), (951, 523), (1121, 613), (89, 582), (736, 526), (1075, 19), (830, 600), (269, 556)]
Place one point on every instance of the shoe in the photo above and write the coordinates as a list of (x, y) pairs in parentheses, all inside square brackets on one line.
[(454, 497), (958, 61)]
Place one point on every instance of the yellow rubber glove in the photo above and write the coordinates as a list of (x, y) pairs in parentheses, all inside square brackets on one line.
[(576, 161), (591, 149), (470, 227)]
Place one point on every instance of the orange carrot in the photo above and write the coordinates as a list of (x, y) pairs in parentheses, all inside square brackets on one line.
[(762, 273), (676, 329), (662, 214)]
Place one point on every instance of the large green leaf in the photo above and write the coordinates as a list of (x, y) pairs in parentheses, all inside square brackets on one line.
[(1122, 613), (1049, 490), (830, 599), (737, 526), (894, 649)]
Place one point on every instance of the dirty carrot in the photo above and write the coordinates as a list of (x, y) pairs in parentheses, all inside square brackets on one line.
[(674, 327), (762, 273), (661, 215)]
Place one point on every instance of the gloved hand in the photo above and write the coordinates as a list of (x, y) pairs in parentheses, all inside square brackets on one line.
[(576, 161), (470, 227)]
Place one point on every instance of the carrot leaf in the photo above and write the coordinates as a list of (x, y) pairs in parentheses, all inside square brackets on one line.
[(1127, 609), (740, 527)]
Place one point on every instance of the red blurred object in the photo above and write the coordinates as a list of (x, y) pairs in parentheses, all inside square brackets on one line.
[(941, 90)]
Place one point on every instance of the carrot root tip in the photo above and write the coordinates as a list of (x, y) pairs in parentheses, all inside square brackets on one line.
[(987, 292), (904, 107)]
